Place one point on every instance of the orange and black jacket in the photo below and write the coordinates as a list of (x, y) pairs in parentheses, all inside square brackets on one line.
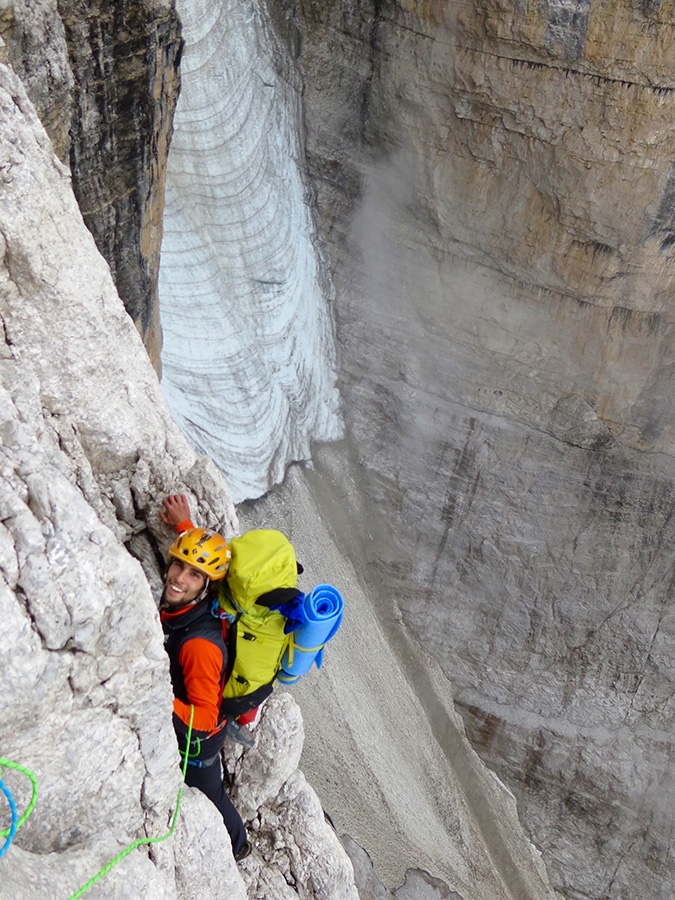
[(193, 638)]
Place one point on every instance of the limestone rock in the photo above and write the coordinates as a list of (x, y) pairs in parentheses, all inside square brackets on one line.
[(493, 187), (34, 45), (104, 80), (49, 875), (493, 183), (296, 852), (263, 770), (87, 698), (203, 860), (88, 449), (384, 748), (317, 863), (419, 885), (369, 886), (76, 345), (125, 57), (291, 836)]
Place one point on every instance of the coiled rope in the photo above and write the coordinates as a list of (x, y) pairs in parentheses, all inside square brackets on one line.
[(17, 823)]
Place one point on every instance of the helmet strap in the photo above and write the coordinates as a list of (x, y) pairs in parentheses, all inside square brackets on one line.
[(205, 590)]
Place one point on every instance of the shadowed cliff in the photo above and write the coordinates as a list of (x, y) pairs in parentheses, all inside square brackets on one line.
[(104, 78)]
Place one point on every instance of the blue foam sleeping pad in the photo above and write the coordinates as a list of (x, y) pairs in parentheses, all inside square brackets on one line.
[(322, 608)]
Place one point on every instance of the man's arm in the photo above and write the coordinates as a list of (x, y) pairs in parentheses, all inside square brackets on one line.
[(176, 512), (202, 664)]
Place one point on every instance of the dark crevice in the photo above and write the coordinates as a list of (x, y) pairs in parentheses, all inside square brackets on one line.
[(660, 89), (374, 53), (125, 62), (597, 248)]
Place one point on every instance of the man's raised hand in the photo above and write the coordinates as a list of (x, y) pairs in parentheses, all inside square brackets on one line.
[(176, 510)]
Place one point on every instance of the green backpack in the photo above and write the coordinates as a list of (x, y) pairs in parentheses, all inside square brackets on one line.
[(263, 571)]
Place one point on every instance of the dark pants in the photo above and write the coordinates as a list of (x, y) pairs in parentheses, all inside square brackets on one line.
[(209, 780)]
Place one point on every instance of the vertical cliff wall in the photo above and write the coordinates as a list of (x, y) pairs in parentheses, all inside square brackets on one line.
[(87, 450), (125, 60), (495, 185), (104, 80), (86, 697)]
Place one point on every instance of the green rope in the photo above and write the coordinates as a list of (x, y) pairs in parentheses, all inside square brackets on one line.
[(33, 780), (141, 841)]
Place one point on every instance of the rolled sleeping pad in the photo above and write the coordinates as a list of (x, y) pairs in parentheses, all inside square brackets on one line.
[(323, 608)]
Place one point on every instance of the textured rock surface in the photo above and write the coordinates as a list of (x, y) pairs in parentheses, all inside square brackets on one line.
[(510, 423), (125, 57), (495, 185), (87, 448), (249, 358), (370, 886), (384, 748), (418, 885), (294, 848), (104, 80), (34, 45), (86, 696)]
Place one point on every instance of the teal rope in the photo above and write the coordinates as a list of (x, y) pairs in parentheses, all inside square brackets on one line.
[(15, 818), (138, 843), (16, 822)]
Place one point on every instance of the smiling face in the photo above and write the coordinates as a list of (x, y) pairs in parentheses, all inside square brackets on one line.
[(183, 584)]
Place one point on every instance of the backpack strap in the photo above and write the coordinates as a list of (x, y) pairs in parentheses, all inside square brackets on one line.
[(278, 597), (287, 601), (236, 706)]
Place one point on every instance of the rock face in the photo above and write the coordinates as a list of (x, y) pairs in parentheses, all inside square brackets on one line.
[(495, 186), (384, 746), (104, 80), (297, 853), (88, 448), (249, 354), (34, 45), (124, 57)]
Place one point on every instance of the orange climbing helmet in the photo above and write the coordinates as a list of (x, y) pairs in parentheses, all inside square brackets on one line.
[(205, 550)]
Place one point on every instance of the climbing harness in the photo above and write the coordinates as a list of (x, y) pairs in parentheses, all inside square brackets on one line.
[(203, 763), (17, 822), (193, 750)]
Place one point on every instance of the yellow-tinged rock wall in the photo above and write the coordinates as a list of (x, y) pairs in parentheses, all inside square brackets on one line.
[(496, 184), (567, 128)]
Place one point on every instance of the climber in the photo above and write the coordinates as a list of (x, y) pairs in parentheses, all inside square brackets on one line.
[(176, 514), (198, 659), (273, 631)]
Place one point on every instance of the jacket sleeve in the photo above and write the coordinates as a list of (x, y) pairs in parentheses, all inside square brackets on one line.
[(202, 665), (185, 525)]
